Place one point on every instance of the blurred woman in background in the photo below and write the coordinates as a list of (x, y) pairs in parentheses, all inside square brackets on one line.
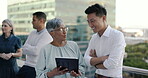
[(10, 48)]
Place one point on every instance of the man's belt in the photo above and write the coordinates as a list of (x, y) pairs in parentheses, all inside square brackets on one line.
[(100, 76)]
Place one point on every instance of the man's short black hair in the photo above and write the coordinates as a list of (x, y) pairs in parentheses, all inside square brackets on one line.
[(96, 8), (40, 15)]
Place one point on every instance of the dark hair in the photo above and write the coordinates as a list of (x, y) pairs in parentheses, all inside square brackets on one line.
[(40, 15), (96, 8), (9, 22)]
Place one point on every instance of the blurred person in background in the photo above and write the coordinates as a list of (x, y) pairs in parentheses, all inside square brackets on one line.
[(106, 47), (10, 48), (35, 41), (59, 47)]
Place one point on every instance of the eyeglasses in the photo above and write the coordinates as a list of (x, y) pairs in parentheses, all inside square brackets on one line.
[(65, 29), (4, 25)]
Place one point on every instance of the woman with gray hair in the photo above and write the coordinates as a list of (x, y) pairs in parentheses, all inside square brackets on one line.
[(10, 49), (59, 47)]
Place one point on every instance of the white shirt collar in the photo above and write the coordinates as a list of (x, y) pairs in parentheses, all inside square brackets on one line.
[(41, 31), (107, 31)]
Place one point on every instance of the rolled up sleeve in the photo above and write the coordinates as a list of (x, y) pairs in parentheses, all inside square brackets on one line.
[(86, 56)]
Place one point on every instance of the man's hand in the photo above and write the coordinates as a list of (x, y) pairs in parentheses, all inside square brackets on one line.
[(93, 53), (103, 58)]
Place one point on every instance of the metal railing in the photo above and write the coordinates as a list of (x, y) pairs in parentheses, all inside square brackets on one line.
[(90, 71), (135, 70), (125, 69)]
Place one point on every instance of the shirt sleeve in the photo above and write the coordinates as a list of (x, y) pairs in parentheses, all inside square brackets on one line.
[(86, 55), (41, 66), (117, 53), (34, 50), (18, 44)]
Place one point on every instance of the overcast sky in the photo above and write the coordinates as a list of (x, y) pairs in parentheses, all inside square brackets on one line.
[(132, 13), (129, 13), (3, 10)]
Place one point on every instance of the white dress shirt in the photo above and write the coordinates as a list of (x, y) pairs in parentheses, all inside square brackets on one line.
[(111, 43), (35, 41)]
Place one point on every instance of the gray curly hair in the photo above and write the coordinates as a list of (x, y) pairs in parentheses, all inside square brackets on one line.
[(53, 24)]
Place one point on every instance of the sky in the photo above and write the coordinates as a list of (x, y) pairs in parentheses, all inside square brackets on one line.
[(3, 10), (132, 13), (129, 13)]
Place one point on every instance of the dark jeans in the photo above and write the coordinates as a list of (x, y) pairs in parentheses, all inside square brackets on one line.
[(26, 72)]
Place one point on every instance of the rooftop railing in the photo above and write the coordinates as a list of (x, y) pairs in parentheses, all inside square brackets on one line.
[(132, 71), (135, 70), (127, 69)]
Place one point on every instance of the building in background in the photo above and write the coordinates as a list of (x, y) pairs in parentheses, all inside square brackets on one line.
[(21, 13), (71, 11)]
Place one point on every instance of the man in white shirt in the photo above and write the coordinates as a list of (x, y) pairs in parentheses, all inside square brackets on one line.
[(35, 41), (106, 47)]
